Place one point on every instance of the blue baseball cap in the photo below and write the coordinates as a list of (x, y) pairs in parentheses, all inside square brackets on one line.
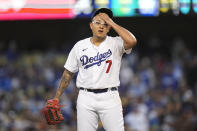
[(103, 10)]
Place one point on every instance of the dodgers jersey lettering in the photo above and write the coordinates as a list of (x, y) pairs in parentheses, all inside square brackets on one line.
[(96, 60), (98, 66)]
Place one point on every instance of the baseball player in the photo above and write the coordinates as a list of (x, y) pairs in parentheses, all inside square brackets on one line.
[(97, 60)]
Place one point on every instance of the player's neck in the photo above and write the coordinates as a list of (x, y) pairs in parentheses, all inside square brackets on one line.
[(97, 40)]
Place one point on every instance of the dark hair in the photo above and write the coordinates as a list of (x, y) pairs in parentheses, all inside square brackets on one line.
[(103, 10)]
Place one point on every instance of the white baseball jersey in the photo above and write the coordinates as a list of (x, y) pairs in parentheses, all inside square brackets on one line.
[(98, 66)]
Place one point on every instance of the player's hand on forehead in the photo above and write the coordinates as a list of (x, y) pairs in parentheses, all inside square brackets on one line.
[(98, 18), (103, 15), (105, 18)]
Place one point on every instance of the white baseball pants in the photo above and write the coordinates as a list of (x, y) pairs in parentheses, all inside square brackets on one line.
[(106, 106)]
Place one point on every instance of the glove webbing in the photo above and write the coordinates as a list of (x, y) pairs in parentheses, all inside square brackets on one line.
[(53, 114)]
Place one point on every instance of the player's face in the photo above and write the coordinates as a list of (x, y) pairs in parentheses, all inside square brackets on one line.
[(99, 27)]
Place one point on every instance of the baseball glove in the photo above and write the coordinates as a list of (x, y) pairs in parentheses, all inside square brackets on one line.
[(52, 112)]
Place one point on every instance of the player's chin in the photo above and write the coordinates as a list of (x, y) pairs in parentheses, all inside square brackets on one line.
[(101, 35)]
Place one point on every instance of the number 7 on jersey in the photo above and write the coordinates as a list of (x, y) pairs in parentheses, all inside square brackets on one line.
[(109, 66)]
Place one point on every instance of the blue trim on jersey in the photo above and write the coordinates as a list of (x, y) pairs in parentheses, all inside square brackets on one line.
[(97, 63)]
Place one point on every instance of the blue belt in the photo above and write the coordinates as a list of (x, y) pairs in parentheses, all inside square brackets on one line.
[(99, 90)]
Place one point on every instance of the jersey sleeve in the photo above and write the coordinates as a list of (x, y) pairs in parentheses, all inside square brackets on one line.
[(71, 62), (120, 45)]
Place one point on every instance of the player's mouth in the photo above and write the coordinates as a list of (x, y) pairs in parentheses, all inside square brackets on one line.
[(100, 31)]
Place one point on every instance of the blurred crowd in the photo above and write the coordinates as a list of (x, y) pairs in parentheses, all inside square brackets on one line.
[(158, 89)]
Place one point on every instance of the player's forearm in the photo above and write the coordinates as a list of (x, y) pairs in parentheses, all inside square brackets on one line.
[(65, 80), (129, 39)]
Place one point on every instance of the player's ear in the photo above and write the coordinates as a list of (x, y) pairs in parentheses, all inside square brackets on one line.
[(108, 28), (90, 25)]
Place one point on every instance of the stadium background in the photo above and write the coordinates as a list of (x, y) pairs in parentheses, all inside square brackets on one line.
[(158, 80)]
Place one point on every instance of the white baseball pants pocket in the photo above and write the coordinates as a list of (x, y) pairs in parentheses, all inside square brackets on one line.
[(106, 106)]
